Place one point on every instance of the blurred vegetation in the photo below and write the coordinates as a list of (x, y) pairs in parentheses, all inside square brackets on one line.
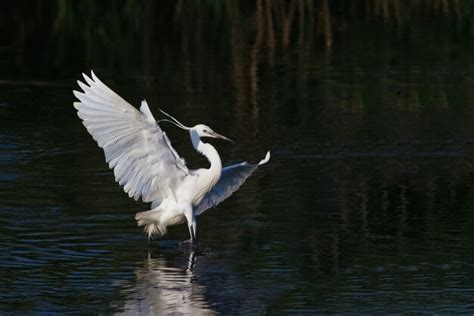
[(206, 44), (141, 33)]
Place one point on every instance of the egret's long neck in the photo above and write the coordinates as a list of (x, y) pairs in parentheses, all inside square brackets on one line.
[(209, 151)]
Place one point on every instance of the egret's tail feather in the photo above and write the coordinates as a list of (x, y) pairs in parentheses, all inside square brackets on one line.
[(151, 221)]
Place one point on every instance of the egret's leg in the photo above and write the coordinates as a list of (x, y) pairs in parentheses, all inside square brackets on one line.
[(191, 219), (191, 233)]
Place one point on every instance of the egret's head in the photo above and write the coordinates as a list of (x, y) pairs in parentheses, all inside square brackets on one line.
[(205, 131), (201, 130)]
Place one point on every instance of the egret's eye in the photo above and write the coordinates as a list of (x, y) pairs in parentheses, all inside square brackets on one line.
[(205, 130)]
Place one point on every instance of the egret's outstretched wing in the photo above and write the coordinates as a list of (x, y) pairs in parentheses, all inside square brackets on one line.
[(144, 162), (232, 177)]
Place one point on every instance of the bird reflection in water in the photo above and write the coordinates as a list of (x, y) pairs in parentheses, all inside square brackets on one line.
[(164, 286)]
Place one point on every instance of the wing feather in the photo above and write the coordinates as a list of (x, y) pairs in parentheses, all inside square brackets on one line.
[(232, 177), (144, 162)]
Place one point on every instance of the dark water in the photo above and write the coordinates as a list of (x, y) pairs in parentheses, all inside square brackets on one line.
[(367, 204)]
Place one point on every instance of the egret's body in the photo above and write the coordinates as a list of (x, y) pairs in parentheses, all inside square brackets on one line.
[(189, 193), (146, 164)]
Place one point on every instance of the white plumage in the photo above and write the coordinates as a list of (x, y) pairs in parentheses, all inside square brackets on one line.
[(148, 167)]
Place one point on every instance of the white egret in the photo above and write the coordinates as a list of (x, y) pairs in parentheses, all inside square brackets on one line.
[(148, 167)]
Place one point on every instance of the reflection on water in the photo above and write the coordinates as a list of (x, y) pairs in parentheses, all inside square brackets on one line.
[(162, 288), (367, 204)]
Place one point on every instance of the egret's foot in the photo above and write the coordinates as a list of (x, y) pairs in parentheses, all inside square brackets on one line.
[(187, 244), (192, 245)]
